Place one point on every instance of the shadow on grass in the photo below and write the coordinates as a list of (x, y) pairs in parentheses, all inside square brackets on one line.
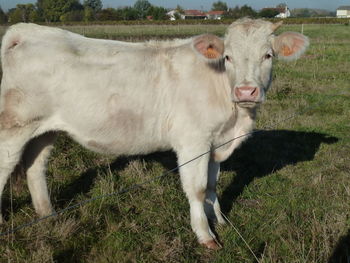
[(84, 182), (267, 152), (341, 253), (261, 155)]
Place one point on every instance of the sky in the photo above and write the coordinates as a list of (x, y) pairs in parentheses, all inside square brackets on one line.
[(331, 5)]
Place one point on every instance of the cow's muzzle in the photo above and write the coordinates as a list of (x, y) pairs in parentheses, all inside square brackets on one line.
[(247, 95)]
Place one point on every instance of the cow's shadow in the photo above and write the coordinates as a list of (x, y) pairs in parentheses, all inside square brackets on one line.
[(267, 152), (341, 253), (262, 154), (83, 184)]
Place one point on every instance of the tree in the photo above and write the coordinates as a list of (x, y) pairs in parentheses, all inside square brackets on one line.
[(157, 12), (53, 10), (39, 9), (75, 15), (95, 5), (15, 15), (21, 13), (142, 7), (108, 14), (243, 11), (129, 13), (234, 12), (248, 11), (35, 17), (179, 9), (219, 6), (3, 16), (268, 12), (89, 14), (91, 8)]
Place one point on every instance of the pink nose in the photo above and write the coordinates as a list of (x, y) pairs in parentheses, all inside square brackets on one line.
[(246, 93)]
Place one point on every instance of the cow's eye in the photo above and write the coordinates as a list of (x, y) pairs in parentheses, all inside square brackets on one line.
[(268, 55), (228, 58)]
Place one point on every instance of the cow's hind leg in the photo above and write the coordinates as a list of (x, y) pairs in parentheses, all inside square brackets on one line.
[(35, 159), (12, 142), (194, 177)]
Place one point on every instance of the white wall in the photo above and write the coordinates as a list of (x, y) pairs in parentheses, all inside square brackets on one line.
[(343, 13)]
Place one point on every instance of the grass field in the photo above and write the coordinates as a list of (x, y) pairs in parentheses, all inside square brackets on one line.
[(286, 190)]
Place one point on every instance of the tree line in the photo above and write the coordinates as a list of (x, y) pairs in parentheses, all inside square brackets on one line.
[(92, 10), (74, 10)]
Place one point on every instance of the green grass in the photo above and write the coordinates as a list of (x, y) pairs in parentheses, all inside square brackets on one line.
[(286, 190)]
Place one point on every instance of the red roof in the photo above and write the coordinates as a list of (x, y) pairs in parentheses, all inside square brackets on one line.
[(194, 13), (216, 13)]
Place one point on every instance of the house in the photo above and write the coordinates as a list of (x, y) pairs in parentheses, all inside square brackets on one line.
[(215, 15), (193, 14), (283, 12), (343, 12), (172, 14)]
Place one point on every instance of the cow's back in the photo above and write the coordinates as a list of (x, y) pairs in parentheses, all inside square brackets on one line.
[(111, 96)]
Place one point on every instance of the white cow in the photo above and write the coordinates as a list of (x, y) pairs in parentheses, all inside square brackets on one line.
[(135, 98)]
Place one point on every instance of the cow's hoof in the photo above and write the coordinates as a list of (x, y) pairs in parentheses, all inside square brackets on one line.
[(212, 244), (221, 221)]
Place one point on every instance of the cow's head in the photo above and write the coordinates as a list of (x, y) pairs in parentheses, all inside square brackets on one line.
[(248, 49)]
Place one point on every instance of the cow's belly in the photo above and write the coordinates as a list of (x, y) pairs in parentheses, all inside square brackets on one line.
[(122, 146), (126, 134), (128, 137), (120, 142)]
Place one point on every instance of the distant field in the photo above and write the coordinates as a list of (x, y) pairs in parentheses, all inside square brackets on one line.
[(287, 190), (140, 32)]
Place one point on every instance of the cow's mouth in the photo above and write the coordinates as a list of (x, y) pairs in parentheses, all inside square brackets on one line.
[(248, 104)]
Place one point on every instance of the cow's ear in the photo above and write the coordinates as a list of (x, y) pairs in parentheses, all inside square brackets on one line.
[(209, 46), (290, 45)]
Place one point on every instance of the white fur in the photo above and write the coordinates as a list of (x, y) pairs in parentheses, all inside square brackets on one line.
[(127, 98)]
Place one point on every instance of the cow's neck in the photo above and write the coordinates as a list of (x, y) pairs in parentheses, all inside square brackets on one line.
[(240, 124)]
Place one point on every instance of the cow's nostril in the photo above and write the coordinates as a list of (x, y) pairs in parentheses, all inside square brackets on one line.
[(247, 93)]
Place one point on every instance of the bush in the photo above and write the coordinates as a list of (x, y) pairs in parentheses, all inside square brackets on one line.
[(77, 15)]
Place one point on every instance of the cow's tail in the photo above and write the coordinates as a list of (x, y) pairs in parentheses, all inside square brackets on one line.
[(11, 41)]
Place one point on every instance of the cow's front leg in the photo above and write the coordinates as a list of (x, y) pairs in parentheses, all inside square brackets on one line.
[(194, 178), (212, 206)]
